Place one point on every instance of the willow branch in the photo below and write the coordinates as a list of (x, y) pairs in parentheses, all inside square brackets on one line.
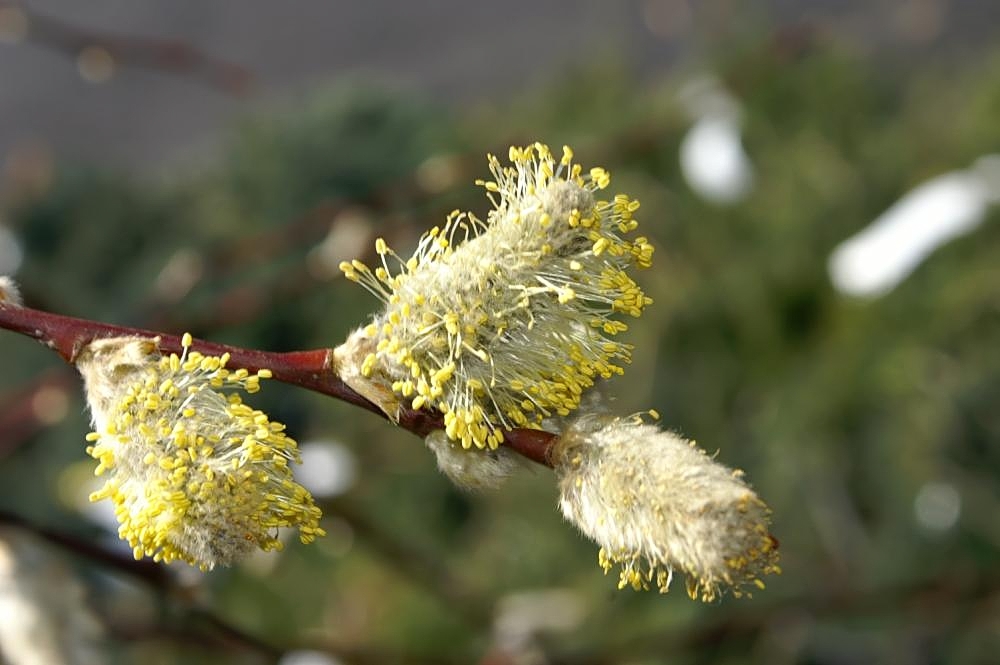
[(151, 574), (313, 370), (420, 567), (166, 55)]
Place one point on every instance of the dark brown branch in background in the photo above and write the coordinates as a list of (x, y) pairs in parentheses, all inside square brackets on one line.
[(153, 575), (166, 55), (313, 370), (959, 588), (146, 571), (420, 567), (920, 595), (200, 626), (200, 619), (203, 627), (21, 414)]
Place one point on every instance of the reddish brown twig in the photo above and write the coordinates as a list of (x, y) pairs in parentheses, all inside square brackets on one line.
[(167, 55), (313, 370)]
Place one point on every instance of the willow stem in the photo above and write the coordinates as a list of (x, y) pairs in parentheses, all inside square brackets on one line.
[(313, 370)]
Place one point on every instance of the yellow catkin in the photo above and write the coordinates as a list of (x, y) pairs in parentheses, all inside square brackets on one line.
[(194, 473), (505, 322), (656, 504)]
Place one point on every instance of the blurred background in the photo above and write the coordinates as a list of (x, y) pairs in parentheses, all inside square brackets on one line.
[(819, 180)]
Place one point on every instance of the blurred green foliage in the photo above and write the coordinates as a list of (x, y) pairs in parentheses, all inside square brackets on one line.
[(839, 410)]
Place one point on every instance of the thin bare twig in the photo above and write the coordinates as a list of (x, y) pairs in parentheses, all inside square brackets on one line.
[(419, 566), (147, 572), (166, 55), (313, 370), (201, 626)]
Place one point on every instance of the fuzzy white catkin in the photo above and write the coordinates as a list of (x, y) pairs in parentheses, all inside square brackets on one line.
[(503, 323), (656, 503), (194, 473), (46, 620), (484, 470), (9, 293), (107, 366)]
